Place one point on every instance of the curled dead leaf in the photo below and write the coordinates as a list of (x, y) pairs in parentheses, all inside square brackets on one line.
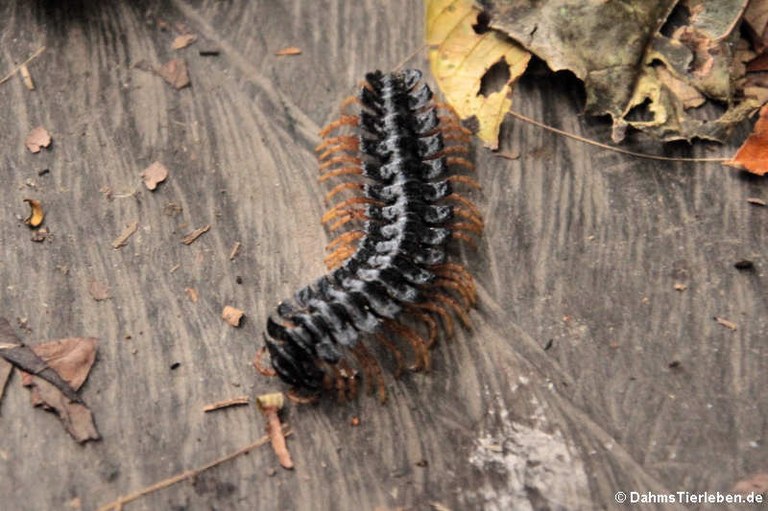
[(232, 315), (463, 59), (36, 213), (37, 139), (154, 174)]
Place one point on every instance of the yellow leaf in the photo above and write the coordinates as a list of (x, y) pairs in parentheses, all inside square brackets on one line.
[(460, 58)]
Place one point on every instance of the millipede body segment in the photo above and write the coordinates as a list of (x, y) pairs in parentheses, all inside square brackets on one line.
[(394, 167)]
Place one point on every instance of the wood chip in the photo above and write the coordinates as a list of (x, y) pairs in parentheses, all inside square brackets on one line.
[(37, 139), (287, 52), (192, 294), (192, 236), (26, 77), (182, 41), (756, 201), (129, 231), (680, 287), (154, 174), (175, 73), (232, 315), (270, 405), (726, 323), (235, 401), (234, 251), (98, 290)]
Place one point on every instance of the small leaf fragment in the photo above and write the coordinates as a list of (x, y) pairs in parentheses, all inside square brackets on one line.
[(37, 139), (36, 213), (232, 315), (175, 73), (191, 294), (235, 401), (288, 52), (154, 174), (753, 153), (757, 202), (679, 286), (129, 231), (98, 290), (182, 41)]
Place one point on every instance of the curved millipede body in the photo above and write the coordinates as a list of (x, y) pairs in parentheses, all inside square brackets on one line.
[(394, 167)]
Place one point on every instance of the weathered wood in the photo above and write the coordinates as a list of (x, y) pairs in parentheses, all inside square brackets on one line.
[(586, 373)]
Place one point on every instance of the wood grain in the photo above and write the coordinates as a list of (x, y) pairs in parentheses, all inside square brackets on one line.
[(586, 372)]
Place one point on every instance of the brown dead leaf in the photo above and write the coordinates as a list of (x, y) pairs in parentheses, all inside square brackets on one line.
[(98, 290), (36, 213), (129, 231), (287, 52), (757, 483), (461, 58), (24, 358), (182, 41), (72, 359), (235, 401), (192, 236), (270, 405), (175, 73), (192, 294), (752, 156), (726, 323), (26, 77), (37, 139), (232, 315), (154, 174)]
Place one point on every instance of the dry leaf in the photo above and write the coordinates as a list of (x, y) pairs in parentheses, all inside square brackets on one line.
[(26, 77), (23, 357), (756, 201), (726, 323), (129, 231), (182, 41), (232, 315), (270, 405), (192, 236), (680, 287), (98, 290), (235, 401), (192, 294), (36, 213), (175, 72), (37, 139), (154, 174), (290, 51), (753, 153), (461, 58), (72, 359), (757, 483)]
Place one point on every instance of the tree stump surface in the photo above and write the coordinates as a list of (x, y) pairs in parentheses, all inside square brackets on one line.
[(586, 372)]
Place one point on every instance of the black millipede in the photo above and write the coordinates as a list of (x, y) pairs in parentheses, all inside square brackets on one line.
[(394, 166)]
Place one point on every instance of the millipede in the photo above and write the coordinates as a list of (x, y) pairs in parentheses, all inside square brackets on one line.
[(394, 160)]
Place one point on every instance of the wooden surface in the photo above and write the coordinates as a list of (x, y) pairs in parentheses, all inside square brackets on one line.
[(586, 373)]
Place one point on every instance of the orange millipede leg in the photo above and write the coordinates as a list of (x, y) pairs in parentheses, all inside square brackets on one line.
[(440, 311), (460, 162), (350, 185), (335, 140), (344, 120), (456, 307), (343, 171), (342, 158), (466, 180), (390, 346)]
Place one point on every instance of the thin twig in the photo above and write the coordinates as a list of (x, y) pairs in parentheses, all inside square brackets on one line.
[(612, 148), (16, 69), (409, 57), (117, 505)]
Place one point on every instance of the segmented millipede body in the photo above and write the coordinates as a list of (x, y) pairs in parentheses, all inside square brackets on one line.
[(394, 166)]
